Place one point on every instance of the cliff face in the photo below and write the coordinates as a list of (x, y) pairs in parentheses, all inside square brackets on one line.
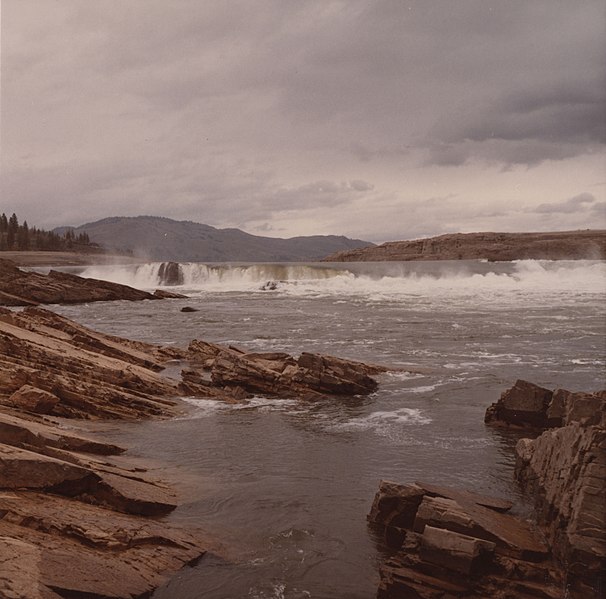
[(565, 470), (562, 245)]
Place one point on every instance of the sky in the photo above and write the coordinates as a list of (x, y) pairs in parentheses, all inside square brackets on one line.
[(376, 119)]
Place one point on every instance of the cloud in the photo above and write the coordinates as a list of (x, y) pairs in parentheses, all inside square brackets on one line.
[(575, 204), (292, 114)]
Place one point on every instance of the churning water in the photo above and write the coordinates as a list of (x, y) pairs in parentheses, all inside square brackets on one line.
[(285, 486)]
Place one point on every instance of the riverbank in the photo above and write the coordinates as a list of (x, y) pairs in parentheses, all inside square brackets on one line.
[(557, 245)]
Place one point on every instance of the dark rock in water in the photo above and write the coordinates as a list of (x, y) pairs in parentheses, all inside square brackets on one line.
[(280, 375), (163, 294), (170, 273), (189, 309), (21, 288), (525, 405), (448, 548), (269, 286)]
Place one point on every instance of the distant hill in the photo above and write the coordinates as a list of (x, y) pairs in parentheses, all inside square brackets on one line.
[(559, 245), (164, 239)]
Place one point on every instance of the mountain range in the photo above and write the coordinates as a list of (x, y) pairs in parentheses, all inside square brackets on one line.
[(164, 239)]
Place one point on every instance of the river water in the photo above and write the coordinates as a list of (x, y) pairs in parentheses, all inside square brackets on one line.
[(285, 486)]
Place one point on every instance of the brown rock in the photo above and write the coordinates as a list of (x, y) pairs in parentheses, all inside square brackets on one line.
[(565, 470), (525, 405), (22, 469), (455, 551), (31, 399), (21, 288), (79, 550)]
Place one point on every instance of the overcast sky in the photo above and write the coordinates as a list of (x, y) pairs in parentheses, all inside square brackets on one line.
[(376, 119)]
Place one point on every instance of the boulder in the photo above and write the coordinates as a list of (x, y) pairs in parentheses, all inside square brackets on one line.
[(525, 405), (189, 309), (32, 399)]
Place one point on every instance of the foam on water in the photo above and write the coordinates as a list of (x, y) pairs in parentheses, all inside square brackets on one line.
[(381, 421), (384, 282)]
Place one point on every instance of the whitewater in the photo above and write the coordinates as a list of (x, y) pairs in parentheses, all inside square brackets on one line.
[(284, 486)]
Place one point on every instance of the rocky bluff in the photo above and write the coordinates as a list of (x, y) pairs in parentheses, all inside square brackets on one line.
[(451, 543), (560, 245)]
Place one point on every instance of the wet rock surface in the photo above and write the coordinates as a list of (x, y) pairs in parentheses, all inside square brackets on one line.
[(278, 374), (453, 543), (22, 288)]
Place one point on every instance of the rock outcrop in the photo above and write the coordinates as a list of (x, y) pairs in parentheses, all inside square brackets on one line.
[(530, 407), (74, 522), (450, 543), (278, 374), (22, 288), (564, 469), (560, 245), (49, 364)]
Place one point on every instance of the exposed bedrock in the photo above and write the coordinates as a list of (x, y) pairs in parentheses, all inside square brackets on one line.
[(170, 273), (23, 288), (280, 374), (564, 470), (452, 543)]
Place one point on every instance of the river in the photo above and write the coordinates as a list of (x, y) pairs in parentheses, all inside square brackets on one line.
[(285, 485)]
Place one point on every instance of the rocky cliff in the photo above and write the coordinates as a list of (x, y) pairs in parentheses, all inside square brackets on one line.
[(561, 245)]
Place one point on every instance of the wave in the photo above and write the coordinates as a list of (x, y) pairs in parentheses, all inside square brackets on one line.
[(378, 280)]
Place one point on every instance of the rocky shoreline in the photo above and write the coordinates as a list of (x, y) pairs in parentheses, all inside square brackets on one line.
[(449, 543), (560, 245), (76, 518)]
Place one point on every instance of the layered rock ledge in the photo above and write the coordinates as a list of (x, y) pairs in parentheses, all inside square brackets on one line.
[(446, 543), (22, 288)]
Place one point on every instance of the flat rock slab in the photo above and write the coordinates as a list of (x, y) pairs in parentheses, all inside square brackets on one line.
[(20, 468), (494, 503), (18, 431), (75, 549), (512, 536)]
